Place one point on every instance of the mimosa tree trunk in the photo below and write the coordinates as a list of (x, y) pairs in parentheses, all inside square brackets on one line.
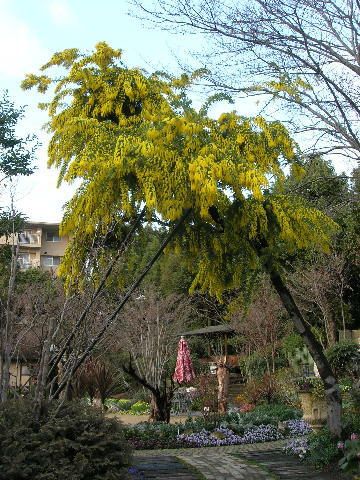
[(332, 390), (223, 376)]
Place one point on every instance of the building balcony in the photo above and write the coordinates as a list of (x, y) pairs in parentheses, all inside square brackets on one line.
[(27, 239)]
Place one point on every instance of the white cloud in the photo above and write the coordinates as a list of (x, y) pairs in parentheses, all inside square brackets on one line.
[(20, 49), (61, 13)]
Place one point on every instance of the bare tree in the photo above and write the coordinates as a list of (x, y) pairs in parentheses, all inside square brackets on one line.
[(98, 380), (149, 332), (263, 325), (320, 290), (305, 53)]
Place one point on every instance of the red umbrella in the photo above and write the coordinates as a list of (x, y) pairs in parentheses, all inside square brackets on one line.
[(184, 371)]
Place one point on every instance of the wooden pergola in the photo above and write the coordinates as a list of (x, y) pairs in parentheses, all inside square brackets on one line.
[(222, 331)]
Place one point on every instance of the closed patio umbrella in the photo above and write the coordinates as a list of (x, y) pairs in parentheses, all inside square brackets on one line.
[(184, 371)]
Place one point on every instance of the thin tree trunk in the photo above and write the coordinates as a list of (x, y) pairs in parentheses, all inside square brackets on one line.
[(5, 380), (7, 330), (332, 390), (124, 245), (40, 393), (223, 376), (123, 302)]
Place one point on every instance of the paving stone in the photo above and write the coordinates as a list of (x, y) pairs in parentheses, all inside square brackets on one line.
[(162, 468), (286, 467), (260, 461)]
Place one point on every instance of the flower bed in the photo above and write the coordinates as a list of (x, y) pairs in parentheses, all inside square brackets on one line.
[(224, 436), (199, 433)]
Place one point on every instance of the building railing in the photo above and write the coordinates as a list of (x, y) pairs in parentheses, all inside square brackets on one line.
[(26, 238)]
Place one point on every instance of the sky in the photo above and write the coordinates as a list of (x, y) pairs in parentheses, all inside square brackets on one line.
[(31, 31)]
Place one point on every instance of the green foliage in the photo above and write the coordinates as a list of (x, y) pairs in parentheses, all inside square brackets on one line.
[(161, 435), (16, 154), (118, 405), (319, 183), (278, 412), (351, 459), (169, 275), (291, 343), (264, 414), (286, 387), (10, 222), (322, 449), (351, 423), (252, 366), (261, 415), (154, 435), (344, 357), (33, 276), (79, 443), (140, 408), (312, 384)]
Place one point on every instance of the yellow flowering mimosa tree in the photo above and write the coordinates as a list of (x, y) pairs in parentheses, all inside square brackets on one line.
[(134, 140)]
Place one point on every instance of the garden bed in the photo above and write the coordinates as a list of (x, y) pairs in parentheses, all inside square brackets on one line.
[(260, 425)]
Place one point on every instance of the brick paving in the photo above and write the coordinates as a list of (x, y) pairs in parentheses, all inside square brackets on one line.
[(260, 461)]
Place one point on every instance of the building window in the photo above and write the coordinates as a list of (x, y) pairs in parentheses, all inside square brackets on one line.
[(24, 260), (52, 237), (50, 261)]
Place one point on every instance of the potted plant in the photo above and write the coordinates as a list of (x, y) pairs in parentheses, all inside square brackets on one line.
[(313, 402)]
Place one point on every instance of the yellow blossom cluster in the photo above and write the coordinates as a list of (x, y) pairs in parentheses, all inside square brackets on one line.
[(133, 139)]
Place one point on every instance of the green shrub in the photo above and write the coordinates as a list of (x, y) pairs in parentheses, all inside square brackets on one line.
[(287, 391), (323, 449), (78, 444), (153, 435), (140, 395), (124, 404), (140, 408), (344, 357), (312, 384), (278, 411), (350, 461), (119, 405), (252, 366), (351, 424), (291, 343)]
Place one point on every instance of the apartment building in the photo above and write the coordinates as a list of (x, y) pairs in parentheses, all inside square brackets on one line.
[(40, 245)]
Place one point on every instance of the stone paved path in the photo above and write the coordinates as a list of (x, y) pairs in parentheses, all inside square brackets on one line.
[(285, 467), (262, 461), (162, 468)]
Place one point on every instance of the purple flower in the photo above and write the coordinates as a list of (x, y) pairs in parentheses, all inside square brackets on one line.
[(224, 436), (297, 427), (298, 447)]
